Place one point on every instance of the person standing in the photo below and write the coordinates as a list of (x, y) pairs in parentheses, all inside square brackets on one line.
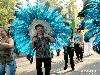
[(41, 44), (78, 43), (69, 51), (7, 61), (58, 52)]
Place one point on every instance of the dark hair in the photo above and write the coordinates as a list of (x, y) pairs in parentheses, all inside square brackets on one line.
[(78, 29), (39, 25), (66, 23), (10, 21)]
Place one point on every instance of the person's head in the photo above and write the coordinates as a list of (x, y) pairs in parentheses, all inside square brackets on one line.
[(66, 23), (40, 29), (78, 30), (3, 32), (10, 21)]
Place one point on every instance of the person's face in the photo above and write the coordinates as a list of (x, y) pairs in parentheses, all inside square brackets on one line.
[(78, 31), (40, 30), (3, 33)]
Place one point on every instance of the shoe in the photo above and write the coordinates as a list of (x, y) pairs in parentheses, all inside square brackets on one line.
[(81, 60), (65, 67), (77, 61), (73, 69), (31, 60)]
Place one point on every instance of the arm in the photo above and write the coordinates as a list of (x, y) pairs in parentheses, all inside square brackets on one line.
[(33, 42), (10, 43), (81, 39), (51, 39)]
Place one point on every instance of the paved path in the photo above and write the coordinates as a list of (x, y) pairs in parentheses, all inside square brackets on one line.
[(25, 68), (90, 66)]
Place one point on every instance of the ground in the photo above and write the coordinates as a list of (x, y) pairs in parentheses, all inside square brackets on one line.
[(90, 66)]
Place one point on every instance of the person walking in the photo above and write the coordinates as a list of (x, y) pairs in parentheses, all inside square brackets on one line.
[(69, 51), (41, 44), (7, 61), (78, 43), (58, 52)]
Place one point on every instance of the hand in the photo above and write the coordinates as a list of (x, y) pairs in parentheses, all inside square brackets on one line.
[(49, 37), (0, 43), (46, 35), (34, 39)]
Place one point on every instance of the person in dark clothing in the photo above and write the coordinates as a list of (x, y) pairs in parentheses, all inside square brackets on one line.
[(58, 52), (79, 52), (69, 51), (41, 44), (78, 42)]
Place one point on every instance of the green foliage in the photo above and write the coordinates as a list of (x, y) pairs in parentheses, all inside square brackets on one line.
[(6, 10)]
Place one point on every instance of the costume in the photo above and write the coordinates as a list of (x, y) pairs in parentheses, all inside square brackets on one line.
[(28, 16), (91, 22)]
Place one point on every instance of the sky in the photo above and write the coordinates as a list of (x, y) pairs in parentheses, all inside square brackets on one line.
[(79, 5)]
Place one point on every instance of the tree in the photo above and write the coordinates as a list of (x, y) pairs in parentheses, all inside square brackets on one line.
[(6, 10)]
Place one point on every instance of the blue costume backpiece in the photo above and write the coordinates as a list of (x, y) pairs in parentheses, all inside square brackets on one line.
[(27, 16)]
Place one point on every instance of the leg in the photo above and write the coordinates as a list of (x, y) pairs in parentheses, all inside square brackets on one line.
[(47, 65), (65, 58), (72, 63), (39, 66), (77, 54), (81, 54), (58, 52), (2, 69), (11, 68), (30, 58), (77, 51), (52, 54), (71, 54)]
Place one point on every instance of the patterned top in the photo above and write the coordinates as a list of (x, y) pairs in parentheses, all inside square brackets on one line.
[(71, 43), (77, 38), (6, 55), (42, 47)]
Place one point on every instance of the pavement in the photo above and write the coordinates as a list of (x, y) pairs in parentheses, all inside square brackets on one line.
[(25, 68), (90, 66)]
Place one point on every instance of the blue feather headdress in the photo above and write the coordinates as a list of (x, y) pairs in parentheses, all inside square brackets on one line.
[(91, 14), (28, 16)]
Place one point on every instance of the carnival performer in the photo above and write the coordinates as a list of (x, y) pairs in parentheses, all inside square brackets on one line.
[(41, 44), (69, 51), (78, 42)]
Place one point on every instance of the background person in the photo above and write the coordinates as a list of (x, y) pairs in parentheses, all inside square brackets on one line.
[(78, 43), (69, 51), (7, 61)]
